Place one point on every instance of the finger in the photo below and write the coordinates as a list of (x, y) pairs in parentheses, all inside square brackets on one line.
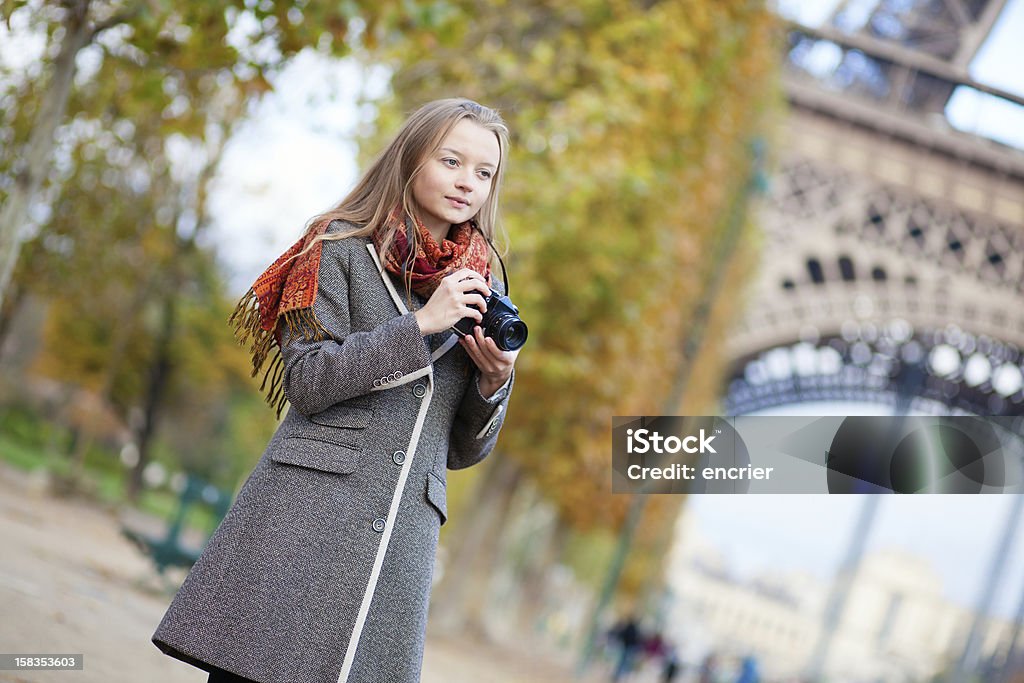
[(467, 274), (499, 357), (458, 280), (492, 346), (471, 299), (467, 278), (470, 312), (488, 349), (471, 285), (478, 342), (473, 350), (472, 346)]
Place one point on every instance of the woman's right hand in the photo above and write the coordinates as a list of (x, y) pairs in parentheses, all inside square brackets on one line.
[(453, 300)]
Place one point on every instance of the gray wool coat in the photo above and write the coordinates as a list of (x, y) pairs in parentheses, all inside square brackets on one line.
[(321, 570)]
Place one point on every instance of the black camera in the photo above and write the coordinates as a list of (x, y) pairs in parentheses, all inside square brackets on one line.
[(501, 322)]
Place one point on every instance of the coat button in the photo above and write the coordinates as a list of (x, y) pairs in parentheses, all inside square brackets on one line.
[(419, 390), (398, 457), (378, 524)]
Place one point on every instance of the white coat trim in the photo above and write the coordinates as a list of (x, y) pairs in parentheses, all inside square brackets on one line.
[(452, 340), (387, 281), (494, 416), (382, 547)]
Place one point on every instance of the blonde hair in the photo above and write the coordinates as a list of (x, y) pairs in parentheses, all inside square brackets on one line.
[(388, 181)]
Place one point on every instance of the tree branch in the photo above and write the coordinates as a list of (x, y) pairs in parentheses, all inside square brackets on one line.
[(113, 20)]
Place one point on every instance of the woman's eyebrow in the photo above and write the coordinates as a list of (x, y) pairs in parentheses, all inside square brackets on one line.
[(459, 154)]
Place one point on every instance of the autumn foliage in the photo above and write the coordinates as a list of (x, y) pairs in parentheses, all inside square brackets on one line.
[(632, 129)]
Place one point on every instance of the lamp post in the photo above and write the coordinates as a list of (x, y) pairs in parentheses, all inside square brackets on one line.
[(968, 661), (907, 383)]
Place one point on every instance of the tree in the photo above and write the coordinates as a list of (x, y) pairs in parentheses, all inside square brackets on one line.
[(126, 280), (166, 55), (631, 124), (125, 219)]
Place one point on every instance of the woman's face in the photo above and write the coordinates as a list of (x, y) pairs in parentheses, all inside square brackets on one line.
[(456, 180)]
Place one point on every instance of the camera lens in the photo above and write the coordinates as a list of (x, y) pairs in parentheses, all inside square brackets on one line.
[(510, 333)]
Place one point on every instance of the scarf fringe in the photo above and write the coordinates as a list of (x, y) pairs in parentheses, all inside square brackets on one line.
[(247, 325)]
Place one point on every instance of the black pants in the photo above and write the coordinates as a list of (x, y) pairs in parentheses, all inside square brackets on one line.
[(222, 676)]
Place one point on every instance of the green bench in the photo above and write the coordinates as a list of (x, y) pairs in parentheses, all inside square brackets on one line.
[(167, 550)]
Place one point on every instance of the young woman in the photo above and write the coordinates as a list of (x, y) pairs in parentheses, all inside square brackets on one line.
[(321, 571)]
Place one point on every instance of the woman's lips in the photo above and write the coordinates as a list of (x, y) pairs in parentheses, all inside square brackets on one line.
[(457, 203)]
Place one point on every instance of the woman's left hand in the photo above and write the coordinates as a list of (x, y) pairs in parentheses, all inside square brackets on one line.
[(495, 365)]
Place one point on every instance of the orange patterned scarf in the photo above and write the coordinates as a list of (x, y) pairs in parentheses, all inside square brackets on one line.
[(464, 247), (284, 292)]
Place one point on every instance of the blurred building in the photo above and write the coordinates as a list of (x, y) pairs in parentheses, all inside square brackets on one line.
[(896, 624)]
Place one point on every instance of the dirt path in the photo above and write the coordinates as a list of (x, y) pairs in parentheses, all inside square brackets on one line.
[(70, 583)]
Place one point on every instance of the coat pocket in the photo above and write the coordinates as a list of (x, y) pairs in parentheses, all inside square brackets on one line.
[(342, 415), (317, 454), (437, 496)]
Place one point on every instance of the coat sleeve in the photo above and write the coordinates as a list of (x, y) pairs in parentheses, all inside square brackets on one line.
[(477, 423), (318, 374), (478, 419)]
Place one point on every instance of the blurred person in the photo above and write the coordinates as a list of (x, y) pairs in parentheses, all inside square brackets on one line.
[(653, 645), (709, 669), (321, 570), (630, 639), (748, 671), (670, 664)]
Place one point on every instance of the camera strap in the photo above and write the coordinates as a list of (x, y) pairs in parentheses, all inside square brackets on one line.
[(504, 275)]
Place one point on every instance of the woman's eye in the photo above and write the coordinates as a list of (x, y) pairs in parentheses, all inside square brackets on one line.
[(451, 162), (485, 174)]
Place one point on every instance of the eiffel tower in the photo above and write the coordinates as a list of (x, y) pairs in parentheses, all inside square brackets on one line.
[(893, 260)]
